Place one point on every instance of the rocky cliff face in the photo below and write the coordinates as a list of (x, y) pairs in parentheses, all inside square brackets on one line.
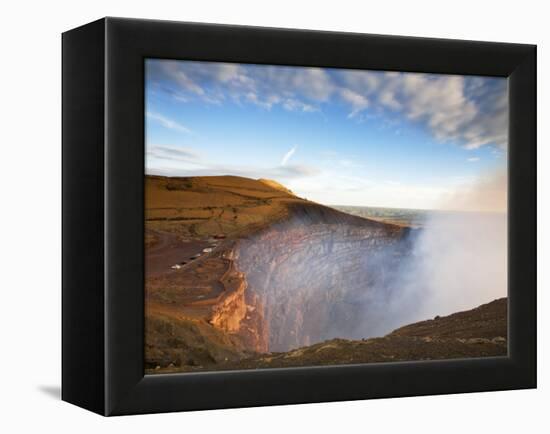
[(230, 311), (240, 312), (320, 274)]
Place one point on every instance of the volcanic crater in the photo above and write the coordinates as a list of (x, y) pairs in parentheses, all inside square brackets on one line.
[(241, 273)]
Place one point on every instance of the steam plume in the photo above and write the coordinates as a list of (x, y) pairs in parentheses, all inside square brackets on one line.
[(460, 259)]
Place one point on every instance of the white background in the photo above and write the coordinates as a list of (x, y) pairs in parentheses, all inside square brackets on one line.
[(30, 102)]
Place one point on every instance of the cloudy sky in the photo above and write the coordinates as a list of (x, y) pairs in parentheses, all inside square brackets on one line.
[(339, 137)]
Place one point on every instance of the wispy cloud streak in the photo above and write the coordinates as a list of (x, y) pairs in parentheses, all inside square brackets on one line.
[(288, 156), (167, 122)]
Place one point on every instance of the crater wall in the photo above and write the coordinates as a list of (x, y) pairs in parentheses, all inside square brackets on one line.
[(322, 274)]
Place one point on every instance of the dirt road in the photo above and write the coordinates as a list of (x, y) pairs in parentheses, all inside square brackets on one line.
[(169, 250)]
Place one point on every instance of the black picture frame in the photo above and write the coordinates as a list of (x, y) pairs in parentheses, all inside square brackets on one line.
[(103, 216)]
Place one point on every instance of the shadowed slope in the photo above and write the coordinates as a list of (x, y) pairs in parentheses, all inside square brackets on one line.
[(480, 332)]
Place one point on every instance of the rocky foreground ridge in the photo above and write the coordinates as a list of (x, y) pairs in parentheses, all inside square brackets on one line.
[(480, 332)]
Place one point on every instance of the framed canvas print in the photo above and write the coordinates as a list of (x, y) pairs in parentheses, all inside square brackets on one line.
[(264, 216)]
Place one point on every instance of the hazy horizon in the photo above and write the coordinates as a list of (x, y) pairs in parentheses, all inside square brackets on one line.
[(336, 137)]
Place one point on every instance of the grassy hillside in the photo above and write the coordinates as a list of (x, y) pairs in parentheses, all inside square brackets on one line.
[(203, 206)]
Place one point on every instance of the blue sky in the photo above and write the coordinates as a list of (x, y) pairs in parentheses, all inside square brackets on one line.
[(338, 137)]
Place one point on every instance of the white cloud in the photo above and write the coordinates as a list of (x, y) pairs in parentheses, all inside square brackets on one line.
[(284, 174), (358, 102), (288, 155), (440, 103), (292, 104), (314, 83), (174, 70), (294, 89), (336, 188), (487, 192), (468, 111), (388, 99), (167, 122), (473, 159), (171, 152), (292, 171), (177, 160)]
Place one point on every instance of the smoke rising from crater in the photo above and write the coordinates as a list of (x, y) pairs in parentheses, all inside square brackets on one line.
[(459, 259), (455, 262), (488, 193), (323, 274)]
